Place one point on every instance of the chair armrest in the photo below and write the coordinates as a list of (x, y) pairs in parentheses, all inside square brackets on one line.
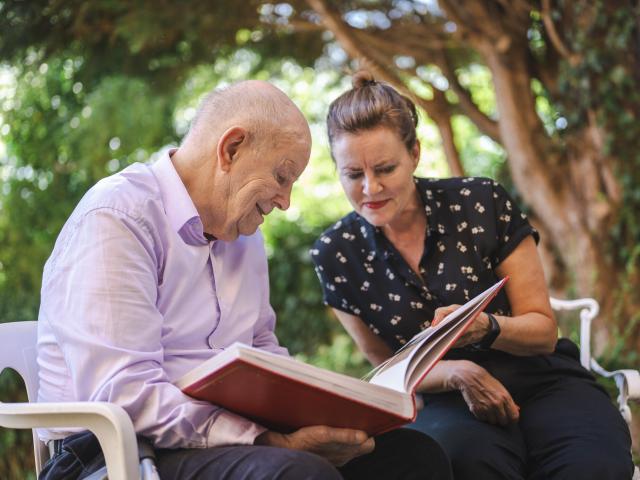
[(589, 309), (109, 422), (628, 383)]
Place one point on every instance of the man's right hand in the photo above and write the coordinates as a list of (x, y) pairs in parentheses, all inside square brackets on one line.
[(486, 397), (337, 445)]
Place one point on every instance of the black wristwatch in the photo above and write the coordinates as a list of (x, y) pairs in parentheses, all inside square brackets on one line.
[(489, 337)]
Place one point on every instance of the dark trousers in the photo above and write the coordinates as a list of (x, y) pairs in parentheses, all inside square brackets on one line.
[(568, 427), (400, 454)]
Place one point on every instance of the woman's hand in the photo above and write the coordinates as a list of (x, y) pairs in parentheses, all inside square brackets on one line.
[(486, 397), (478, 328), (337, 445)]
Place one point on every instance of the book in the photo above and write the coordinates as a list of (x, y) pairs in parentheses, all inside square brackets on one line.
[(284, 394)]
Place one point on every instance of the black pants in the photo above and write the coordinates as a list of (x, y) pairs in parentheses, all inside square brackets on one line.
[(568, 427), (400, 454)]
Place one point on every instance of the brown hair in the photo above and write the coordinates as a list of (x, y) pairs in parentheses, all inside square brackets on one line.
[(370, 104)]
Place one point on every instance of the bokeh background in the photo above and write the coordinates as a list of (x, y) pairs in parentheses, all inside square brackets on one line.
[(541, 95)]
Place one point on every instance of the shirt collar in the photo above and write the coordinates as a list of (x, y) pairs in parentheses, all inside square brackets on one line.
[(432, 207), (376, 240), (181, 212)]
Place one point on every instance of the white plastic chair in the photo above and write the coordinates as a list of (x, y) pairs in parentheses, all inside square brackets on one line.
[(627, 380), (109, 422)]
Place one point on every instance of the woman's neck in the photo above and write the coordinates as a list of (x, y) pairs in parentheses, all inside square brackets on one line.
[(410, 223)]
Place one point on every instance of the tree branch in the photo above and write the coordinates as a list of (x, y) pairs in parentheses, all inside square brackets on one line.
[(437, 108), (573, 58), (483, 122)]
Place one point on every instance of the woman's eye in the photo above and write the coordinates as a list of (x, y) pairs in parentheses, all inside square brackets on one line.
[(387, 169), (354, 175), (280, 179)]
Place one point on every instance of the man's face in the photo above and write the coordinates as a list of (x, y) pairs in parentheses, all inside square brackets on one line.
[(262, 181)]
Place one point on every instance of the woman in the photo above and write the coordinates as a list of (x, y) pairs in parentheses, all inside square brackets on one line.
[(511, 401)]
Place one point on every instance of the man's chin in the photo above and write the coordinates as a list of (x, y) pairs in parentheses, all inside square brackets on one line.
[(247, 229)]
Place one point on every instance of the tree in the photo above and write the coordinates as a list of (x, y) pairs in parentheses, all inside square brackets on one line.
[(564, 76)]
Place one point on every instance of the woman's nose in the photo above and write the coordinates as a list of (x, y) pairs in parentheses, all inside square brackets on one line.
[(370, 186)]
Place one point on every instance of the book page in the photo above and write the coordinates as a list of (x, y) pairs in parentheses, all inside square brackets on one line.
[(406, 368)]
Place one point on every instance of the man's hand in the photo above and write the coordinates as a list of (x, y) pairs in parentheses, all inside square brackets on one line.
[(337, 445), (478, 328), (486, 397)]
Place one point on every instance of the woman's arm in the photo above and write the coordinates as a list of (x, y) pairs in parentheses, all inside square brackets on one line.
[(371, 346), (531, 329), (487, 398)]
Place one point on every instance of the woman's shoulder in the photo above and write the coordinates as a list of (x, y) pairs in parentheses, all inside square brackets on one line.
[(343, 234), (456, 184), (459, 190)]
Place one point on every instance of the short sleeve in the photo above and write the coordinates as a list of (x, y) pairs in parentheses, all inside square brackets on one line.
[(512, 225), (327, 260)]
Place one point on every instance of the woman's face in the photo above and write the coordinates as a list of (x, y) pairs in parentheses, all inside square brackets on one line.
[(376, 173)]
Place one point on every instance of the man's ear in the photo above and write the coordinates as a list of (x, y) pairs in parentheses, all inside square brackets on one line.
[(228, 146)]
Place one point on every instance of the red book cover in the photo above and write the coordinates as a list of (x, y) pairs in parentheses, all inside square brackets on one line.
[(284, 394), (285, 404)]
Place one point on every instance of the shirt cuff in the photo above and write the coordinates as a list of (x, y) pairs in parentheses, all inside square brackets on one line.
[(231, 429)]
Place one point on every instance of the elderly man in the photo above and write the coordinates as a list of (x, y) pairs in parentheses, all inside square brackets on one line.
[(160, 267)]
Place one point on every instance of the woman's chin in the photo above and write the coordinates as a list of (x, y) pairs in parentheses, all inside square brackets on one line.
[(374, 218)]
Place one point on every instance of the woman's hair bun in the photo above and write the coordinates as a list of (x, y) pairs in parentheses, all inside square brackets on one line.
[(362, 78)]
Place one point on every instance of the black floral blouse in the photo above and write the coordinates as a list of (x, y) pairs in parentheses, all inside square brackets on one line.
[(473, 225)]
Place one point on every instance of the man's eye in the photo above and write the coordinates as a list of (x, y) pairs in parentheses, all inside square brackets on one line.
[(280, 179)]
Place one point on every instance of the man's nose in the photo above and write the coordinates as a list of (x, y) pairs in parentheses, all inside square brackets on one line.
[(283, 200)]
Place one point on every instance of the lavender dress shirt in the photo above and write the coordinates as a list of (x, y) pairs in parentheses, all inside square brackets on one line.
[(134, 296)]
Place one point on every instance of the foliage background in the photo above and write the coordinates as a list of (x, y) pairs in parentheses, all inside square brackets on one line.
[(70, 116)]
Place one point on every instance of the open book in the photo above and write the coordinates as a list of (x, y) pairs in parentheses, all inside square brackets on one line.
[(284, 394)]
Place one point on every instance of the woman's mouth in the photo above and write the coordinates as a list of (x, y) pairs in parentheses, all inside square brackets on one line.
[(375, 205)]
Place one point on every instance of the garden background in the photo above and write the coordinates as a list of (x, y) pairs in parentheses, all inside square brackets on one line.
[(541, 95)]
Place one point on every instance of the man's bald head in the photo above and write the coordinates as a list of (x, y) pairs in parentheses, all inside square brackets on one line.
[(246, 147), (259, 107)]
